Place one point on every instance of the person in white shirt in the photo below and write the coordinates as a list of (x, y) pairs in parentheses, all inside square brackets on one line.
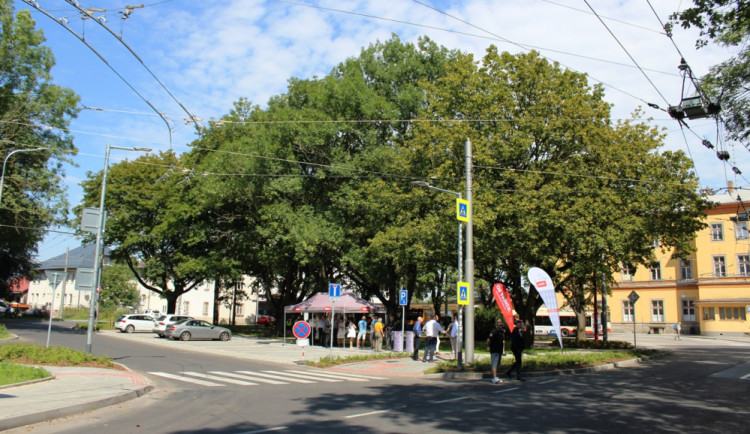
[(431, 330), (453, 333)]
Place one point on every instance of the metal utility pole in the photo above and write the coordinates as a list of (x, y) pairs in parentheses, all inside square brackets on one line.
[(469, 265), (99, 247)]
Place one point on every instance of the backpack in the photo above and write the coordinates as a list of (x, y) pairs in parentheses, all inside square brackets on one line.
[(675, 327)]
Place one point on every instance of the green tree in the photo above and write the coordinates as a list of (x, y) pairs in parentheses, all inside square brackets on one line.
[(32, 196), (556, 185), (311, 162), (150, 226), (726, 22), (118, 288)]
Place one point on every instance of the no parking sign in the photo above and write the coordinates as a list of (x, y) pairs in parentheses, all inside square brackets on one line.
[(301, 330)]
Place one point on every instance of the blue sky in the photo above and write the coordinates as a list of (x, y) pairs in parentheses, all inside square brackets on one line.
[(211, 53)]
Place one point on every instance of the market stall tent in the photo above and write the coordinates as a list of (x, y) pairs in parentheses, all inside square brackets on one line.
[(321, 303)]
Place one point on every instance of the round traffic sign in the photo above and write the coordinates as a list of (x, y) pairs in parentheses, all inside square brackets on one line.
[(301, 329)]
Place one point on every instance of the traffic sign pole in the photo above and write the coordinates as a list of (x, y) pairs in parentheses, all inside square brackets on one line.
[(633, 297), (403, 298)]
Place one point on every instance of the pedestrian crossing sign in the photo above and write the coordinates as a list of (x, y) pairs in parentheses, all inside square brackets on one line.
[(462, 210), (463, 293)]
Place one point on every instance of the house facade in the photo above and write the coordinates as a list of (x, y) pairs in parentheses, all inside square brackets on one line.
[(709, 292), (198, 303)]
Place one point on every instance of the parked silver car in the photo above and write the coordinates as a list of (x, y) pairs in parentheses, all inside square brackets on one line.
[(165, 321), (135, 323), (197, 329)]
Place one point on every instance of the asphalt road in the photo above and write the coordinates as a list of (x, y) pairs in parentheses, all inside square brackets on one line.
[(698, 388)]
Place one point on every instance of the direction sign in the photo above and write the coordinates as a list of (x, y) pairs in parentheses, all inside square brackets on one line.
[(462, 210), (463, 293), (633, 297), (403, 297), (301, 330)]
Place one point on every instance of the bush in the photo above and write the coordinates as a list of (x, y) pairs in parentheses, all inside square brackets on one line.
[(4, 331)]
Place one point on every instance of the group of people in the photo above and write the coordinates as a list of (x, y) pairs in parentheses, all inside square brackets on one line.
[(496, 343), (432, 330), (356, 331), (380, 332)]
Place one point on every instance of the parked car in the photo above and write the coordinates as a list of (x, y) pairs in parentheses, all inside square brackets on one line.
[(5, 309), (197, 329), (165, 321), (266, 320), (37, 313), (153, 313), (135, 323)]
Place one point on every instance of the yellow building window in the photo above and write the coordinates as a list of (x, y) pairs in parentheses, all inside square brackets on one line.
[(740, 230), (709, 313), (717, 232), (720, 266)]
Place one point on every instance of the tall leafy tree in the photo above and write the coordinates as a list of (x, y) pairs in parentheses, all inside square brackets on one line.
[(149, 225), (118, 288), (32, 195), (556, 185)]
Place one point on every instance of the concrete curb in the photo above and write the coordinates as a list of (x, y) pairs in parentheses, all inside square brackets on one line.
[(43, 416), (26, 383), (486, 375)]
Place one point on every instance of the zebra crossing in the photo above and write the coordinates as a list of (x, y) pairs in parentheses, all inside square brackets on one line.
[(255, 378)]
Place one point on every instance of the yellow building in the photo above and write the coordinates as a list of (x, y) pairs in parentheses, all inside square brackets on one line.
[(709, 292)]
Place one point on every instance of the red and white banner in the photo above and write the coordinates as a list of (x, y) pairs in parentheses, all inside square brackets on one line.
[(502, 298), (546, 289)]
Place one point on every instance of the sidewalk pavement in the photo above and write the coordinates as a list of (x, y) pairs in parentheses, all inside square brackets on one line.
[(73, 390)]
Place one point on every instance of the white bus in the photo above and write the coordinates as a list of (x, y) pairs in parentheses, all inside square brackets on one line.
[(568, 324)]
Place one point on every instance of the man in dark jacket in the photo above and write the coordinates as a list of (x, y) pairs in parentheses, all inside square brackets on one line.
[(496, 342), (516, 345)]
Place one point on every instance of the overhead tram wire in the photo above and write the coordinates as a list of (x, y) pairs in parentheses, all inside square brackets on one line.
[(626, 51), (66, 27), (524, 47), (493, 37), (721, 152), (88, 14)]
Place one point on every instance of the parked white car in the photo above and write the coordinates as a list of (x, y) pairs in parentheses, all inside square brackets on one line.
[(5, 308), (135, 323), (153, 313), (165, 321)]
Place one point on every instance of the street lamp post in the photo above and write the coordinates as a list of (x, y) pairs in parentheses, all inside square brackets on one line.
[(459, 343), (98, 253), (5, 161)]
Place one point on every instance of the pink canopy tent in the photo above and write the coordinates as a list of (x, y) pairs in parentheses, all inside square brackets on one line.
[(348, 302), (321, 303)]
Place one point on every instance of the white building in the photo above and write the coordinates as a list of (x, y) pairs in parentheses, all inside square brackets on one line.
[(198, 303)]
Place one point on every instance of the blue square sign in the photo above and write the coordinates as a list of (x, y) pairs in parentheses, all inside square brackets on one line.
[(403, 297), (334, 290)]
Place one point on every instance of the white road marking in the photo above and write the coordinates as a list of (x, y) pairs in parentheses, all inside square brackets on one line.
[(217, 378), (276, 428), (326, 375), (352, 416), (548, 381), (247, 377), (186, 379), (291, 374), (450, 400), (277, 377)]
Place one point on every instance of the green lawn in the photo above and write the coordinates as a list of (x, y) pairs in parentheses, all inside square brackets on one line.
[(15, 357)]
